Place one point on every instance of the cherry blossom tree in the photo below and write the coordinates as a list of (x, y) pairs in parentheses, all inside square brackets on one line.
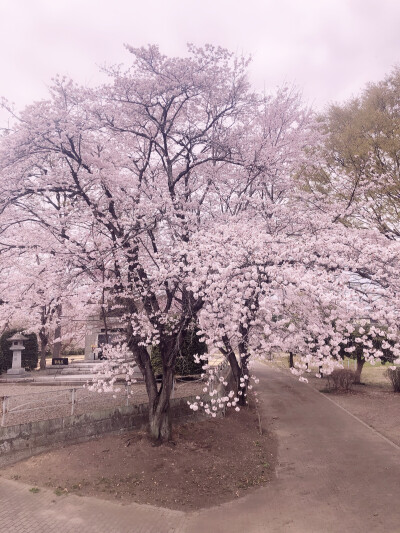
[(301, 291), (120, 176), (297, 251), (173, 192), (33, 292)]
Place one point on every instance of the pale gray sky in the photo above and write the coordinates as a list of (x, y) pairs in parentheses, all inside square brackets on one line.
[(329, 48)]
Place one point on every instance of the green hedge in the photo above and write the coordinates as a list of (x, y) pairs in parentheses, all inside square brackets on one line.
[(30, 355), (185, 363)]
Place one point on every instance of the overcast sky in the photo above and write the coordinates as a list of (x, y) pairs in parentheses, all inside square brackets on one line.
[(329, 48)]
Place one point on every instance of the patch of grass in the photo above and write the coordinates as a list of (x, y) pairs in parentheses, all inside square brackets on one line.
[(245, 483), (280, 360), (371, 374), (104, 480), (375, 374), (80, 484), (34, 490), (59, 491)]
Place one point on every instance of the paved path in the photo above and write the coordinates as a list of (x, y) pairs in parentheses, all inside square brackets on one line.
[(335, 475)]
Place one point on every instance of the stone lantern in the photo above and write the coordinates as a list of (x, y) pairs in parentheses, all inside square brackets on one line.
[(16, 347)]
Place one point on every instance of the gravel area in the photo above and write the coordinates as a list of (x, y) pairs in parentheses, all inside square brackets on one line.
[(27, 403)]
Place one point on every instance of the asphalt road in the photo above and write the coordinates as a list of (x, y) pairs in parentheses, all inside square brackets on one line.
[(334, 475)]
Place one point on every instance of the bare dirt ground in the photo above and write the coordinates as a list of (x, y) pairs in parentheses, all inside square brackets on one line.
[(209, 462)]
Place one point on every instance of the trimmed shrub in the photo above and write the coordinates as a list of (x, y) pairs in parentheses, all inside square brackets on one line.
[(393, 374), (185, 363), (341, 379), (29, 357), (74, 351)]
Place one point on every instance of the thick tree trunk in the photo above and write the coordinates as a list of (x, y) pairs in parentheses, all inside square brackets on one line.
[(243, 385), (159, 412), (360, 364), (160, 426), (57, 333), (291, 362), (238, 371), (43, 338), (43, 347), (233, 362)]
